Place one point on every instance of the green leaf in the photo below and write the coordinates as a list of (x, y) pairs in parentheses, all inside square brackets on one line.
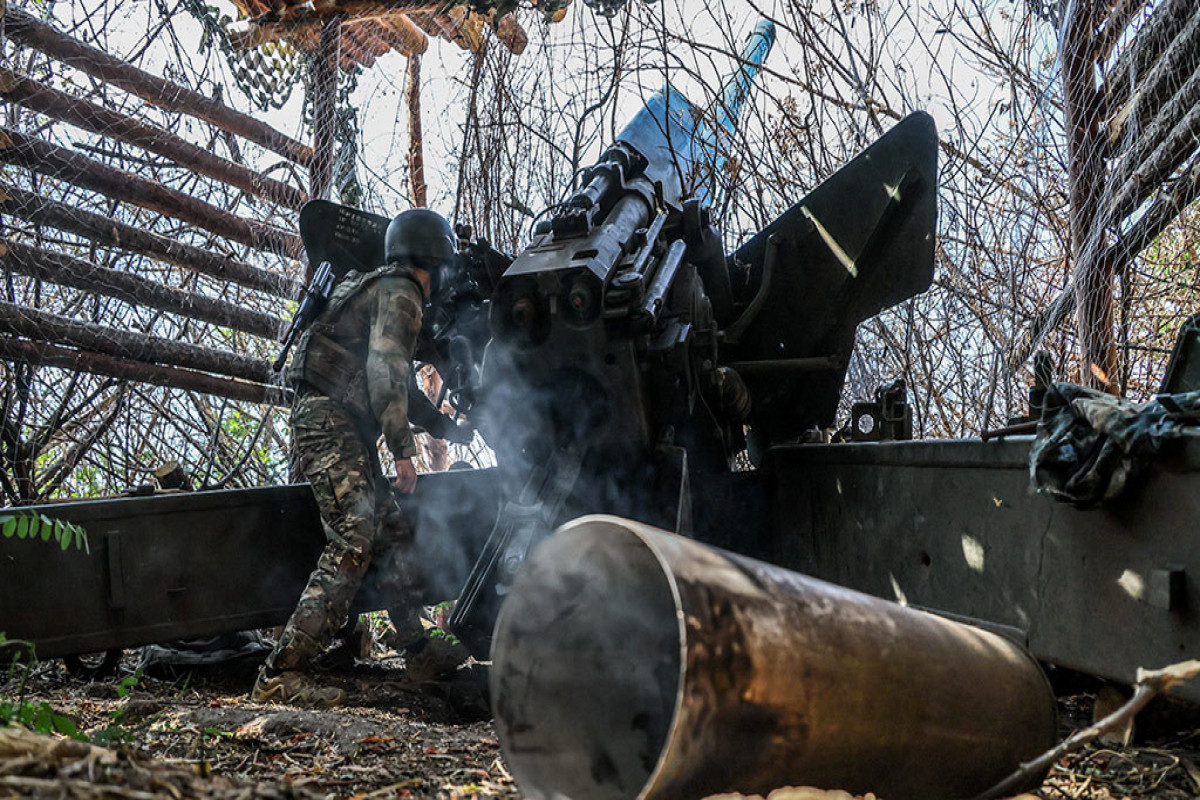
[(8, 525), (44, 721), (58, 530), (22, 526), (66, 726), (79, 538), (47, 528)]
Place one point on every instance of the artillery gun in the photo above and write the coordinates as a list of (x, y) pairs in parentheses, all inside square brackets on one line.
[(617, 364), (627, 357)]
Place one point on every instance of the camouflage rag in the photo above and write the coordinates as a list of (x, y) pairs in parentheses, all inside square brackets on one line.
[(1090, 443)]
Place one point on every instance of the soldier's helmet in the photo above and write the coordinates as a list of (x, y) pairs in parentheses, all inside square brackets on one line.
[(423, 237)]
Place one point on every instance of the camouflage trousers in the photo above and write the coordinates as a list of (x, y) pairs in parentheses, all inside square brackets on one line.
[(361, 521)]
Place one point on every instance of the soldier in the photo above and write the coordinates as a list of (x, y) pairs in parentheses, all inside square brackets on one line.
[(351, 376)]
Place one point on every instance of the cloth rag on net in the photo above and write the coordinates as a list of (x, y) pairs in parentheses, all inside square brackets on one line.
[(1090, 443)]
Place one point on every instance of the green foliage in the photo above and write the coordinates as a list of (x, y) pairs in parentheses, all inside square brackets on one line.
[(115, 732), (41, 717), (19, 710), (31, 525), (38, 717)]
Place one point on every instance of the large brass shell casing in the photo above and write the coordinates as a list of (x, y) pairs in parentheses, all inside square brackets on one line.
[(632, 663)]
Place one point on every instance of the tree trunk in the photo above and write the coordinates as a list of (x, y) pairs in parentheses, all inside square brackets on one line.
[(1085, 149)]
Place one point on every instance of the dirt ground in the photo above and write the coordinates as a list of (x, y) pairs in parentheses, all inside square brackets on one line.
[(197, 735)]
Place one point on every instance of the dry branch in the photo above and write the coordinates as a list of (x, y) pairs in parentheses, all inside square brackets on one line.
[(30, 323), (26, 30), (98, 119), (59, 162), (110, 232), (44, 353), (1150, 684), (133, 289)]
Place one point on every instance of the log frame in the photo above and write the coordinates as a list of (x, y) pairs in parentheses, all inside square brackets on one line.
[(27, 30), (64, 270), (31, 323), (109, 232), (59, 162), (89, 116), (52, 355)]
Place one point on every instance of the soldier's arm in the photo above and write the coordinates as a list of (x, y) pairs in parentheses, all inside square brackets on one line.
[(395, 326)]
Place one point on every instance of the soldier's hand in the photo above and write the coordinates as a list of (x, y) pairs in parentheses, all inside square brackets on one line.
[(406, 476)]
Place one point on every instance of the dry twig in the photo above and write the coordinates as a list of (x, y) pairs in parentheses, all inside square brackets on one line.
[(1150, 684)]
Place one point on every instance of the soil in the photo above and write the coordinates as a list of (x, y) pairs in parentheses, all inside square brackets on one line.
[(196, 734)]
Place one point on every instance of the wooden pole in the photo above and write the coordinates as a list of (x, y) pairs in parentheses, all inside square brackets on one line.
[(89, 116), (1085, 157), (133, 289), (26, 30), (416, 156), (30, 323), (59, 162), (51, 355), (323, 83), (107, 231)]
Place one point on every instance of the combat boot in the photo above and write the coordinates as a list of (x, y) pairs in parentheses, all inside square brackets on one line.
[(436, 656), (294, 688)]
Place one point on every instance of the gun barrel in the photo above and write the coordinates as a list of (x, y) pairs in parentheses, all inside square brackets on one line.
[(728, 105)]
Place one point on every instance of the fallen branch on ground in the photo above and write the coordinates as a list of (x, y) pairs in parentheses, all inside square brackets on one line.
[(1150, 684)]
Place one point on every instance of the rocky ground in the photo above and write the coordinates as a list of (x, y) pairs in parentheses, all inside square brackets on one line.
[(196, 734)]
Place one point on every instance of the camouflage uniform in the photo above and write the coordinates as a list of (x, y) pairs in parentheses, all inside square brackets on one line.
[(351, 374)]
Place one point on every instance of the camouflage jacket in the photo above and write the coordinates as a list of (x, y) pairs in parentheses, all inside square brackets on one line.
[(359, 352)]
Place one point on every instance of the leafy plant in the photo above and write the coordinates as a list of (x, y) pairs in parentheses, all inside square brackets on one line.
[(19, 710), (38, 717), (41, 717), (115, 731), (32, 525)]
